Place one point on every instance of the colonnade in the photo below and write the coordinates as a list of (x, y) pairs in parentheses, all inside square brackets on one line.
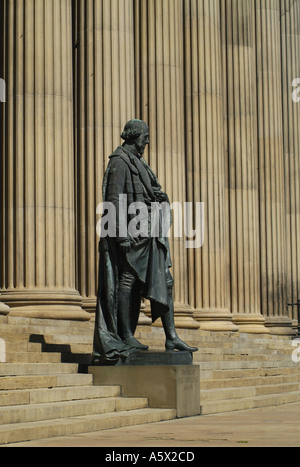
[(213, 80)]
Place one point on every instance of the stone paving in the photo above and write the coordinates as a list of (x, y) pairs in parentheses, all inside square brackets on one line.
[(268, 427)]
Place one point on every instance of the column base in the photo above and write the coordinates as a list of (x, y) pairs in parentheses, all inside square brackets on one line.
[(143, 319), (89, 305), (251, 323), (47, 304), (215, 320), (184, 317), (280, 326), (4, 309)]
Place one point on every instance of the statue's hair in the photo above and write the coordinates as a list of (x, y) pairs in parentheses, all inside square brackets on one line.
[(133, 129)]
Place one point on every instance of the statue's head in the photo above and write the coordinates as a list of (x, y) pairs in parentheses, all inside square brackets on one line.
[(133, 130), (136, 132)]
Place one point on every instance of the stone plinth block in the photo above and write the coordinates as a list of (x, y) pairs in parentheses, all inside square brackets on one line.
[(169, 387)]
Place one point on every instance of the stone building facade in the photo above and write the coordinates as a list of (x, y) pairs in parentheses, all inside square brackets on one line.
[(215, 80)]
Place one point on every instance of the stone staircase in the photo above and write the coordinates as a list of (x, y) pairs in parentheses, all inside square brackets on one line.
[(45, 391), (41, 396), (254, 372), (240, 371)]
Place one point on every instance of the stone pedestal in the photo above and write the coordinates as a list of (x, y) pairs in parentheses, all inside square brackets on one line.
[(166, 386)]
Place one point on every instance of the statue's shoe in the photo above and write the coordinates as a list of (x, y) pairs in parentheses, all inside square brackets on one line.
[(178, 344), (134, 343)]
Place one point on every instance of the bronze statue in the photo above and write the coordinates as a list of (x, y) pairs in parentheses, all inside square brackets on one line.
[(132, 266)]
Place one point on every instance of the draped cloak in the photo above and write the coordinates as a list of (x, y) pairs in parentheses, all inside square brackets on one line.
[(148, 259)]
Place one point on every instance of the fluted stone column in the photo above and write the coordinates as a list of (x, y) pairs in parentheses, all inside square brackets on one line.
[(239, 49), (205, 155), (4, 309), (38, 233), (290, 29), (105, 101), (271, 167), (160, 102)]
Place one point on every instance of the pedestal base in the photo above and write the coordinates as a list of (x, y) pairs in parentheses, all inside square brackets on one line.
[(166, 386)]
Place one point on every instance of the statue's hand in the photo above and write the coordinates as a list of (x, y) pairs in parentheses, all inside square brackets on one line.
[(125, 246), (162, 197)]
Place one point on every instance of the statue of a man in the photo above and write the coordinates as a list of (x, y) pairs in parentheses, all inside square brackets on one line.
[(132, 266)]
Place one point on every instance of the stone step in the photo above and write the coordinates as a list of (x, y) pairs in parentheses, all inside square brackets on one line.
[(8, 383), (83, 424), (235, 357), (43, 330), (32, 357), (277, 370), (62, 339), (22, 347), (66, 409), (43, 324), (40, 396), (231, 405), (227, 348), (243, 382), (247, 392), (69, 328), (240, 364), (14, 336), (21, 369), (151, 332), (72, 336)]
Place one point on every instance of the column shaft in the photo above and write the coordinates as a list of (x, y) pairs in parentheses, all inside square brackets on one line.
[(290, 28), (4, 309), (105, 101), (271, 167), (239, 44), (205, 155), (38, 234), (160, 102)]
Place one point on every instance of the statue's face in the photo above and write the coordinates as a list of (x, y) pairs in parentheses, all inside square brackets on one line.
[(142, 141)]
